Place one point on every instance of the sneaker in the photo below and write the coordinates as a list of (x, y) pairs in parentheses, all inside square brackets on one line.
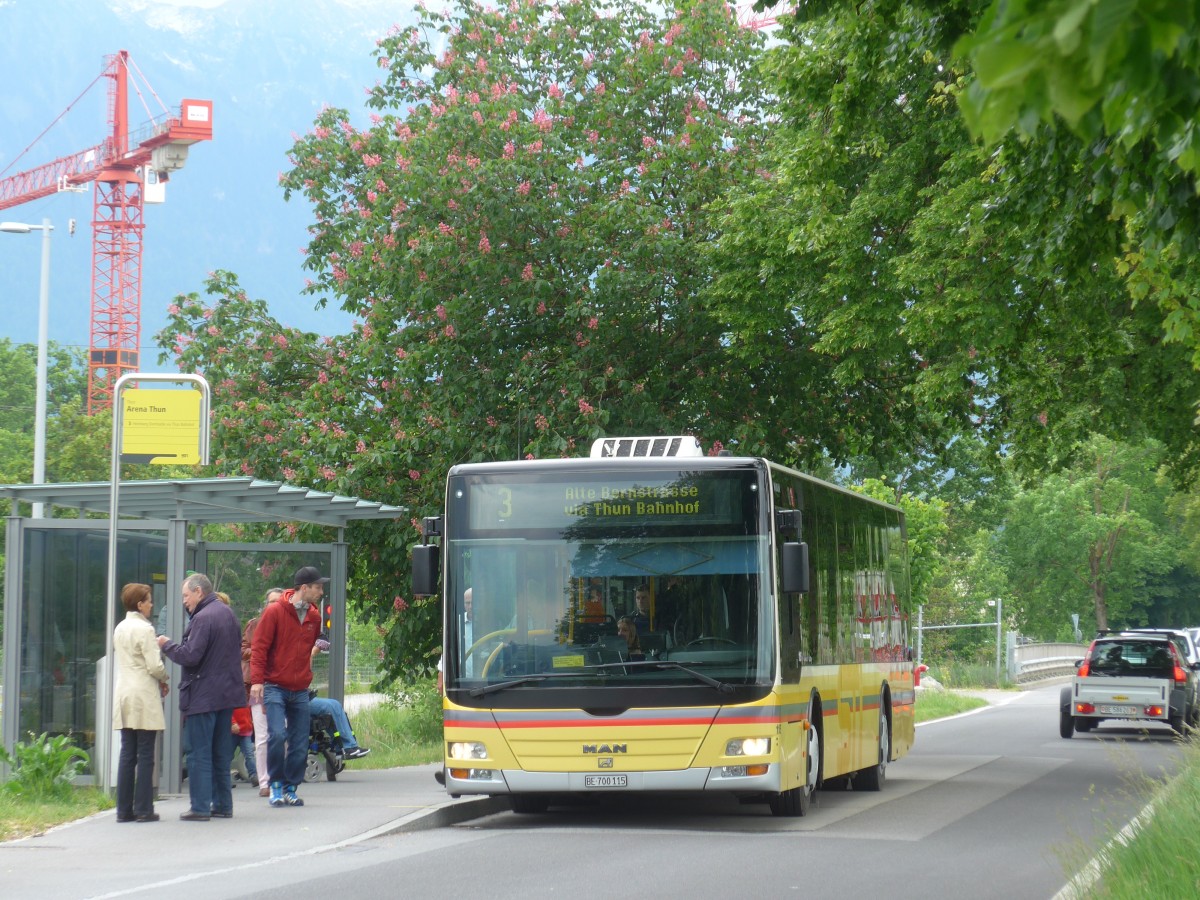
[(356, 753), (289, 796), (276, 794)]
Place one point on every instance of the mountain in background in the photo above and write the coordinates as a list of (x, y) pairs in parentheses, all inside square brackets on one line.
[(269, 66)]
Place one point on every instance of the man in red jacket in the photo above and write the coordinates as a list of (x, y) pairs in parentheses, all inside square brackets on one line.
[(280, 673)]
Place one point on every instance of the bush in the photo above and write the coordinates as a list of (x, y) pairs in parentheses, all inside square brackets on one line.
[(43, 768), (424, 705)]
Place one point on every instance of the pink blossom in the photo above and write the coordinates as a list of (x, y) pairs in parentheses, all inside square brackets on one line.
[(449, 331), (444, 228), (523, 188), (593, 136), (541, 307), (473, 98), (542, 120), (491, 420), (328, 473), (360, 446), (509, 150), (372, 196), (323, 377), (414, 474), (399, 604), (535, 147), (173, 310), (1043, 418), (555, 91), (677, 70), (585, 407), (401, 353), (213, 330), (527, 275), (289, 473), (441, 312), (477, 116), (648, 141), (371, 160), (541, 422), (485, 246), (593, 323), (356, 249), (280, 341), (600, 88)]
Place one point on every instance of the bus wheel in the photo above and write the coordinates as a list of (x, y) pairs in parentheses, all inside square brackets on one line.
[(530, 804), (872, 778)]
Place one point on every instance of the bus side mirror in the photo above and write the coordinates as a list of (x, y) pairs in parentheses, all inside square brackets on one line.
[(425, 565), (793, 579)]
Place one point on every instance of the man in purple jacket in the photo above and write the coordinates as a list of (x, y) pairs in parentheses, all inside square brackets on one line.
[(211, 658)]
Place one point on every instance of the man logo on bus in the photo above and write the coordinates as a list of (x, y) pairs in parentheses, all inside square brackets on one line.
[(605, 748)]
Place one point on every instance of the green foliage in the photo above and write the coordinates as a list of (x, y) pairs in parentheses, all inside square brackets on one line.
[(423, 704), (940, 704), (1089, 539), (43, 767), (1011, 292)]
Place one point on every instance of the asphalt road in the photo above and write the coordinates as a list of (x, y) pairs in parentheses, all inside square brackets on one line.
[(991, 804)]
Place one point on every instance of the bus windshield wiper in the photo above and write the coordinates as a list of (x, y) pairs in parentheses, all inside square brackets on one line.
[(723, 686), (524, 679)]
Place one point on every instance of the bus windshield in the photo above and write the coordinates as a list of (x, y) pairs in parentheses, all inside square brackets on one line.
[(616, 578)]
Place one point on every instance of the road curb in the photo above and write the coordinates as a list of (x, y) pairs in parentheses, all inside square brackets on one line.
[(452, 812)]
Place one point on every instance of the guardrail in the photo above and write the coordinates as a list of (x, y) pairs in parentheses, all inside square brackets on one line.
[(1037, 662)]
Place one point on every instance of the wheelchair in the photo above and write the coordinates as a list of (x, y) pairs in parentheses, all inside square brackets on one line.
[(324, 750)]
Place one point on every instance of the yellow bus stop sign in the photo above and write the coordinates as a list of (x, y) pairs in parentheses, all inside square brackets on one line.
[(161, 427)]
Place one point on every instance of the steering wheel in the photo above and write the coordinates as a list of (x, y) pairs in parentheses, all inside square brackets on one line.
[(495, 654), (710, 639)]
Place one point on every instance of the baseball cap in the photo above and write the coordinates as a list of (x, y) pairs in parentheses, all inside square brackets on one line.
[(309, 575)]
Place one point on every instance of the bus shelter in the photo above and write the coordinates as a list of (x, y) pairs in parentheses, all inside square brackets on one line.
[(54, 668)]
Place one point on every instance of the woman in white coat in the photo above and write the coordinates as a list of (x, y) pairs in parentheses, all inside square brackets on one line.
[(137, 705)]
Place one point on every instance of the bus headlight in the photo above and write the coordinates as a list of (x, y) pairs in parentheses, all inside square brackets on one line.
[(467, 750), (748, 747)]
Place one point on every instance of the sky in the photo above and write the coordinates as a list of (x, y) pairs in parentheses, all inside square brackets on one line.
[(269, 66)]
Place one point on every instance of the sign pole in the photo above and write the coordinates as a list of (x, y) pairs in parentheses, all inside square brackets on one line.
[(170, 451)]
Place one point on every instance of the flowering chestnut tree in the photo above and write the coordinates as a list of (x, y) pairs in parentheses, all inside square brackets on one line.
[(519, 231)]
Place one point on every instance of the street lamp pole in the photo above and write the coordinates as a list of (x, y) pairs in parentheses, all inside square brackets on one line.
[(39, 421)]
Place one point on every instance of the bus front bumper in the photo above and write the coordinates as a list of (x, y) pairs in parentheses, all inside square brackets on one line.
[(515, 781)]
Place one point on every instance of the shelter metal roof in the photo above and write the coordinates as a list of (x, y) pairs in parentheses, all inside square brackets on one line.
[(206, 500)]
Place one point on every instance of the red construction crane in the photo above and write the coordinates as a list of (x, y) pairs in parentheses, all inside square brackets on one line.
[(120, 166)]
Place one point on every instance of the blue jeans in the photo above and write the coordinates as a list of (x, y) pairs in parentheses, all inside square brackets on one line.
[(245, 743), (210, 753), (287, 733), (330, 707)]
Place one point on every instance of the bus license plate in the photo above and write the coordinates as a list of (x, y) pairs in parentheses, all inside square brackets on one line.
[(1117, 710), (605, 781)]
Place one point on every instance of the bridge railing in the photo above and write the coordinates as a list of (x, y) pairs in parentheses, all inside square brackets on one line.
[(1036, 662)]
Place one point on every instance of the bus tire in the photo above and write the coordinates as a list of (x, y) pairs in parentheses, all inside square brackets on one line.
[(530, 804), (872, 777)]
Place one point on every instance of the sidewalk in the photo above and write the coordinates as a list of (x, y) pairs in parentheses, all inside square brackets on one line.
[(97, 857)]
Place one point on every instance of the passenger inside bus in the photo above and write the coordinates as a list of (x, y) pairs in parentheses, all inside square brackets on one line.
[(633, 646)]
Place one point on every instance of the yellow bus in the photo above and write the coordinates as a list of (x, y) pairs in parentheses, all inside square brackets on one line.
[(651, 618)]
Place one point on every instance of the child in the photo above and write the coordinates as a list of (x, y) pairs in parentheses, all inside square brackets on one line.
[(243, 739)]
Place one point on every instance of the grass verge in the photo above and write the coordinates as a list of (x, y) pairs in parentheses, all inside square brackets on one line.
[(22, 817), (1160, 859), (940, 704)]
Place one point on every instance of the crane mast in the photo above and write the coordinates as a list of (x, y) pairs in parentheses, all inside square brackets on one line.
[(119, 167)]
